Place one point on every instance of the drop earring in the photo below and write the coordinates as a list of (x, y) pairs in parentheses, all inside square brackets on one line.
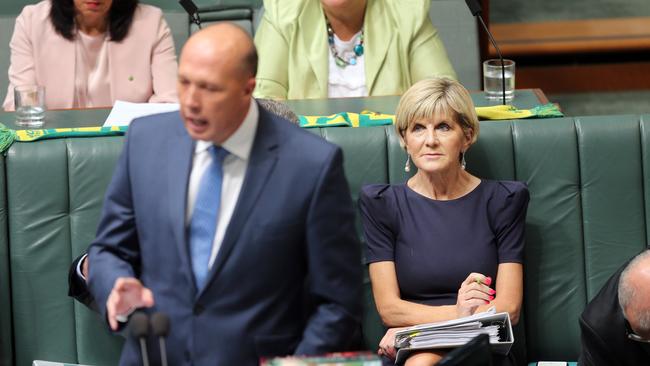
[(407, 166), (463, 163)]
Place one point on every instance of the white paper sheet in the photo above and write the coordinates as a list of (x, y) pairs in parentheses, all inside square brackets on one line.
[(124, 112), (455, 333)]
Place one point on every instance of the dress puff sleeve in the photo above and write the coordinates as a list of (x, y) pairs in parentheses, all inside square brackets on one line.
[(377, 215), (510, 203)]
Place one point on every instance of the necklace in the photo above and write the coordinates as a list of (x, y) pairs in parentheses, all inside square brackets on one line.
[(340, 60)]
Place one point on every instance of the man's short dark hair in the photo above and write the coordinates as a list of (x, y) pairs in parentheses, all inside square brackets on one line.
[(250, 60), (279, 109)]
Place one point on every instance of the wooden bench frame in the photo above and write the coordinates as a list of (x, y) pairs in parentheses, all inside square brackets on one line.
[(578, 55)]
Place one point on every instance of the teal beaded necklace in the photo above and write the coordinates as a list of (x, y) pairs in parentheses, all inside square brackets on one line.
[(340, 61)]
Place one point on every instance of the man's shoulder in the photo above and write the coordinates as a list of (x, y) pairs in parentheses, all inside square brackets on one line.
[(296, 140), (603, 329), (156, 125)]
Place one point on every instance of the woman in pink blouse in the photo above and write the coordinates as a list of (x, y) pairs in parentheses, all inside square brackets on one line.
[(89, 53)]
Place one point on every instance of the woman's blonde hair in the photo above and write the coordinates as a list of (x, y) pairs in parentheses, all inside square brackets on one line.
[(438, 96)]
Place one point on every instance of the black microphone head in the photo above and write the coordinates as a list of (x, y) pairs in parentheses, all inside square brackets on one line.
[(474, 7), (139, 324), (160, 324), (189, 6)]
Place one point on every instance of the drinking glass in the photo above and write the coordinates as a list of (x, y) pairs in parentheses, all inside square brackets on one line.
[(29, 101), (492, 79)]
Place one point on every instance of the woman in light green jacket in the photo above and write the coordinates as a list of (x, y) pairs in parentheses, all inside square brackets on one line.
[(345, 48)]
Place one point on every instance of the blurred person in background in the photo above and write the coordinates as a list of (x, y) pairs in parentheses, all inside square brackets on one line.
[(615, 325), (90, 53), (346, 48)]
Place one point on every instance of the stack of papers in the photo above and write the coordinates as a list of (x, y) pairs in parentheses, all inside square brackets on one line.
[(461, 333), (457, 332), (124, 112)]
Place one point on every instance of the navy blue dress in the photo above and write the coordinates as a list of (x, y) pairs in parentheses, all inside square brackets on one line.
[(436, 244)]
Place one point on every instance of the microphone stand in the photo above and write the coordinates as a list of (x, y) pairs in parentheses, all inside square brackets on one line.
[(196, 19), (496, 47), (192, 11), (475, 8), (160, 326), (139, 324)]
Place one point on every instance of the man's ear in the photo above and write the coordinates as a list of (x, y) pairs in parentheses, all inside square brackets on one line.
[(250, 86)]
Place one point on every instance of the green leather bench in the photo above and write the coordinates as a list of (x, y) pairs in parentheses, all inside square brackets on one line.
[(6, 339), (589, 197)]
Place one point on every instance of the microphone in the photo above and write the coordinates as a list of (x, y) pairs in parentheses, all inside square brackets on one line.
[(160, 327), (192, 10), (475, 8), (139, 326)]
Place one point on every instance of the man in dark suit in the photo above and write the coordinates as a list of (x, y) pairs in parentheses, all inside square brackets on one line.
[(615, 326), (235, 289)]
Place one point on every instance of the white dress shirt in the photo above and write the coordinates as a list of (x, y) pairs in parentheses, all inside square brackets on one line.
[(239, 147)]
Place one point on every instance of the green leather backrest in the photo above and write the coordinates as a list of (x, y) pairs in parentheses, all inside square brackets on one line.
[(55, 192), (587, 178), (6, 339), (178, 22), (13, 7), (244, 17), (366, 160), (6, 30)]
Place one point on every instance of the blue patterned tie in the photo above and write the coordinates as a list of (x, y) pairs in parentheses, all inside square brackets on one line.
[(206, 212)]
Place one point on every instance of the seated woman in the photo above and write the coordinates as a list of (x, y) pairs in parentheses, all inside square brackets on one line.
[(346, 48), (91, 53), (445, 244)]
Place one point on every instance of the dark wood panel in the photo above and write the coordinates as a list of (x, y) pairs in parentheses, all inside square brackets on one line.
[(572, 37), (584, 78), (483, 39)]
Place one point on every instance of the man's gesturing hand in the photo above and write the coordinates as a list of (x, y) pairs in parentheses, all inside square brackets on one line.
[(127, 295)]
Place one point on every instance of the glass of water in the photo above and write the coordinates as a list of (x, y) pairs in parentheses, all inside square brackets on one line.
[(29, 101), (492, 79)]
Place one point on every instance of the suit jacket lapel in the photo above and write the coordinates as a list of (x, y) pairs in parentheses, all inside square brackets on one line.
[(313, 37), (378, 36), (179, 157), (261, 162)]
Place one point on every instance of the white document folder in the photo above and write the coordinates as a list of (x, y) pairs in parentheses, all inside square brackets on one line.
[(455, 333), (49, 363)]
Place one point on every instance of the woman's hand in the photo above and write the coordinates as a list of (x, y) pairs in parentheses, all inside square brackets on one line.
[(474, 292), (387, 344)]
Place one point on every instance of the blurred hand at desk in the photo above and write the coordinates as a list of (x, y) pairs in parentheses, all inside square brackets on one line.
[(128, 294)]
